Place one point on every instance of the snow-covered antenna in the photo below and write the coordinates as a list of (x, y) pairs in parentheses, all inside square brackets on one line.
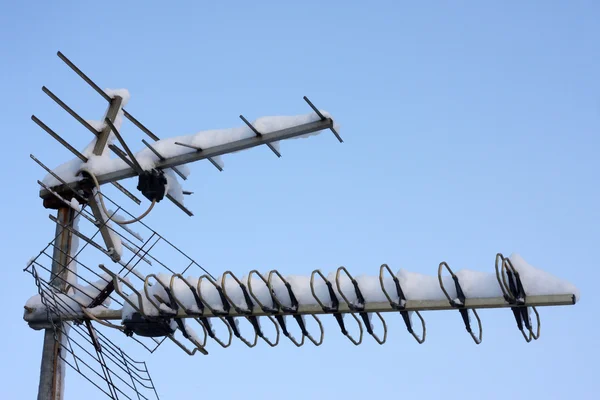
[(128, 279)]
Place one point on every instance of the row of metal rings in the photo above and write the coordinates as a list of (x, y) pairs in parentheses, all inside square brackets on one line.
[(329, 306)]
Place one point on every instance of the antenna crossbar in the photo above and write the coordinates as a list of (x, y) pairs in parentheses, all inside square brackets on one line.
[(210, 152)]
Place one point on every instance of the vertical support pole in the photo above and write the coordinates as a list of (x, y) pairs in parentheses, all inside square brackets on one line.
[(53, 367), (101, 142), (111, 114)]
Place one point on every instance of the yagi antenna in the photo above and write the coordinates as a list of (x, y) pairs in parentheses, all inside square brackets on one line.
[(107, 274)]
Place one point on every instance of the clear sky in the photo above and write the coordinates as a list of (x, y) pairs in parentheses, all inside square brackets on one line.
[(470, 128)]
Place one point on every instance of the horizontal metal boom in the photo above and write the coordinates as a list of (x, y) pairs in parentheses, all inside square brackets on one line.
[(211, 152), (315, 309)]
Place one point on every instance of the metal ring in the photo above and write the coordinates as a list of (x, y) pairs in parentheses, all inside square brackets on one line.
[(266, 339), (275, 298), (239, 309), (500, 277), (206, 303), (160, 310), (476, 338), (173, 293), (337, 284), (262, 306), (442, 265), (399, 305)]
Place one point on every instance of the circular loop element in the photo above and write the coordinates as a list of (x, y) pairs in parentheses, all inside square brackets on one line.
[(421, 339), (208, 326), (192, 338), (334, 310), (260, 304), (157, 297), (292, 338), (536, 335), (532, 336), (385, 331), (442, 265), (174, 294), (246, 341), (226, 305), (314, 294), (464, 311), (500, 269), (266, 339), (322, 335), (294, 307), (240, 310), (399, 306), (351, 306), (477, 338)]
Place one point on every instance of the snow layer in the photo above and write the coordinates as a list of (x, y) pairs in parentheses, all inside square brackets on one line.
[(415, 286)]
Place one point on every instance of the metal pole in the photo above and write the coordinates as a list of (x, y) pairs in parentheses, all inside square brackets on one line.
[(53, 368)]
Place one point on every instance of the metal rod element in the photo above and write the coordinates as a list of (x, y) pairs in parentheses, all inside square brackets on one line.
[(104, 229), (126, 192), (114, 129), (178, 204), (215, 151), (52, 368), (70, 111), (320, 114), (257, 133), (140, 126), (59, 139), (213, 162), (111, 115), (160, 157), (83, 76), (306, 309)]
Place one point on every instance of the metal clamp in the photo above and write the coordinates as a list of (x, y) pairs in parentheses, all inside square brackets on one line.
[(294, 308), (333, 309), (400, 305), (360, 306), (460, 303)]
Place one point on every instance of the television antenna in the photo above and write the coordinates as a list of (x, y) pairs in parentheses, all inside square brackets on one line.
[(140, 289)]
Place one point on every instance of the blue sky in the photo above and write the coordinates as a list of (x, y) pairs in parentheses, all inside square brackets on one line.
[(470, 128)]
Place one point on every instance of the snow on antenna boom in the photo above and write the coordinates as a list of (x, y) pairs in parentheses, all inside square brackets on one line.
[(128, 279)]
